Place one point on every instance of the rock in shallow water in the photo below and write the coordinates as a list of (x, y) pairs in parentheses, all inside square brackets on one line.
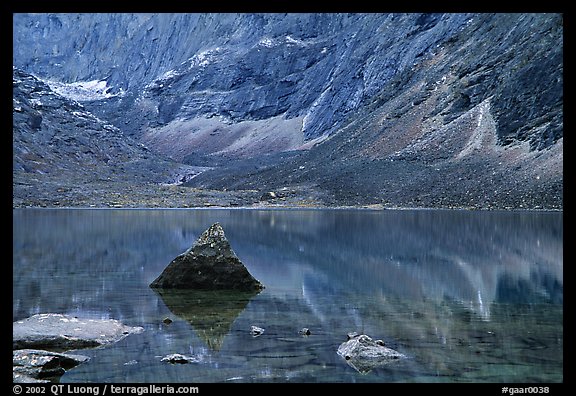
[(365, 354), (304, 331), (180, 359), (59, 332), (256, 331), (210, 264), (32, 365)]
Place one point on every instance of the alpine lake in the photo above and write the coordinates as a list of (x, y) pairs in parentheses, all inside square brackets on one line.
[(467, 296)]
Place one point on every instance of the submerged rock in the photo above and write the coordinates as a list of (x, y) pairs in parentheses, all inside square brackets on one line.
[(32, 365), (210, 264), (59, 332), (304, 331), (365, 354), (180, 359), (256, 331)]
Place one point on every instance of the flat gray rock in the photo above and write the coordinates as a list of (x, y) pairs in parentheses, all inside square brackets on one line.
[(33, 365), (59, 332), (365, 354)]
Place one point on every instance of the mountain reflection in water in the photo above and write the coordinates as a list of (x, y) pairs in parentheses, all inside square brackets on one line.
[(211, 313), (468, 296)]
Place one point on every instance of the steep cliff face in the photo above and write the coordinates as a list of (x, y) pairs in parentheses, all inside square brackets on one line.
[(369, 105), (476, 122), (314, 68)]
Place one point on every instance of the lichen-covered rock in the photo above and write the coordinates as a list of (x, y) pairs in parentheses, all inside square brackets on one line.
[(33, 365), (365, 354), (210, 264), (59, 332)]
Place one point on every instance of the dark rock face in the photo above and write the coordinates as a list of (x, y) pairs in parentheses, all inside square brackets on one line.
[(31, 365), (365, 354), (210, 264), (59, 332), (268, 196)]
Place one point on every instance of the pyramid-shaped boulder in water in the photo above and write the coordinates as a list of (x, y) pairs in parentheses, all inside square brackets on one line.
[(210, 264)]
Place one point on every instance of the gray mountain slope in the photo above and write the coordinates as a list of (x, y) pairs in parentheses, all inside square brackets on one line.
[(441, 110)]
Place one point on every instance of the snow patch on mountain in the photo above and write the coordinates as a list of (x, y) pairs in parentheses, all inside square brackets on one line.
[(83, 91)]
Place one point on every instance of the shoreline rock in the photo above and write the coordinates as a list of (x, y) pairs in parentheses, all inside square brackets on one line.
[(38, 343), (57, 332), (33, 365)]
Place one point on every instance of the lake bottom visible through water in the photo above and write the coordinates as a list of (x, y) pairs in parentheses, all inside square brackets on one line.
[(466, 296)]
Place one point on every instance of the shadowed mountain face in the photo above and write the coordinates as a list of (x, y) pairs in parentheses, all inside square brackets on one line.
[(394, 109)]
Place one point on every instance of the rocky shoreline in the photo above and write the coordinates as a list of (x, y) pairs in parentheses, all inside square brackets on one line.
[(42, 344)]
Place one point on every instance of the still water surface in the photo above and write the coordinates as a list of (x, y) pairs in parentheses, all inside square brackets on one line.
[(467, 296)]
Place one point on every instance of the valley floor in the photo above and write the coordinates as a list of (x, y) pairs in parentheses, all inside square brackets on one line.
[(44, 191), (52, 192)]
